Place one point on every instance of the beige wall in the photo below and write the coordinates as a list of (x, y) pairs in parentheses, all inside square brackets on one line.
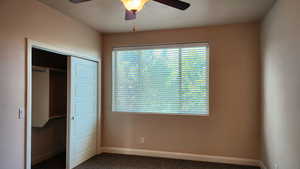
[(233, 129), (281, 86), (21, 19)]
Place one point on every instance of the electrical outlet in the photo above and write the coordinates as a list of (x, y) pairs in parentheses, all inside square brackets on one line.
[(142, 140), (276, 166)]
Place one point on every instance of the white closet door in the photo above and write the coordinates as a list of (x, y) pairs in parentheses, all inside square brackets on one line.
[(83, 110)]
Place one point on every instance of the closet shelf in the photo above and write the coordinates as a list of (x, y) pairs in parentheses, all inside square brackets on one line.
[(43, 68), (57, 116), (49, 95)]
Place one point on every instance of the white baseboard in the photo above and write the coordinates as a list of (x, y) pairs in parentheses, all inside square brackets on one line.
[(99, 150), (262, 165), (183, 156)]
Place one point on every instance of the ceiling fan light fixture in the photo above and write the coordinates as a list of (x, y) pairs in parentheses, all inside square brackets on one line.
[(134, 5)]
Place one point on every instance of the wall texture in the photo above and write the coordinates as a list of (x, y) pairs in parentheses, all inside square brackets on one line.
[(232, 129), (21, 19), (281, 94)]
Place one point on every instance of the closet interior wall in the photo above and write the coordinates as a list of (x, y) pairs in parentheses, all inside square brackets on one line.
[(50, 139)]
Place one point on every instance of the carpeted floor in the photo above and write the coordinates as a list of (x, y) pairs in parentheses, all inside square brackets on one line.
[(115, 161)]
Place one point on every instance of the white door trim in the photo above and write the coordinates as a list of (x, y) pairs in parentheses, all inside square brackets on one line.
[(28, 97)]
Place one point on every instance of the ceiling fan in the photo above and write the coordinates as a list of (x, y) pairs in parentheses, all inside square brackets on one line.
[(133, 6)]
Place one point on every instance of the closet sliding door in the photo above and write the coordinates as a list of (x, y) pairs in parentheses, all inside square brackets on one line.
[(83, 104)]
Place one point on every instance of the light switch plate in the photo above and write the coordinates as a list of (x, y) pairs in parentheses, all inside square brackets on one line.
[(20, 113)]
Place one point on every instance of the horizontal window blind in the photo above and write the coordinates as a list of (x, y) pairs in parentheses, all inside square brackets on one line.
[(163, 79)]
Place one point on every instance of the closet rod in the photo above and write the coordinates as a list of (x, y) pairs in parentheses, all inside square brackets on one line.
[(44, 69)]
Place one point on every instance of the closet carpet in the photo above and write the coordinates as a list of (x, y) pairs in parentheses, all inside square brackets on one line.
[(114, 161), (57, 162)]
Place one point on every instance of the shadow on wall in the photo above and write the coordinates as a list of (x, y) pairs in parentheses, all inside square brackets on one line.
[(48, 140)]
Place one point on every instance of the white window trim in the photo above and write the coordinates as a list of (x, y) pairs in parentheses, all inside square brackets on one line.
[(164, 46)]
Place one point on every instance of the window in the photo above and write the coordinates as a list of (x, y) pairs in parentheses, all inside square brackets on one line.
[(167, 79)]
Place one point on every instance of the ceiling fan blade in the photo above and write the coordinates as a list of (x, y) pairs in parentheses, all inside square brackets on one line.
[(78, 1), (175, 4), (129, 15)]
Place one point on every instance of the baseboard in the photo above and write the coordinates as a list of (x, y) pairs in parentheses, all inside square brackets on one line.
[(43, 157), (183, 156), (99, 150), (262, 165)]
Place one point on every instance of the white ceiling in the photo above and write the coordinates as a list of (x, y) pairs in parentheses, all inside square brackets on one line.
[(108, 15)]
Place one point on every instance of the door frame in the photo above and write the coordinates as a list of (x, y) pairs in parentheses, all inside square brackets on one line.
[(28, 96)]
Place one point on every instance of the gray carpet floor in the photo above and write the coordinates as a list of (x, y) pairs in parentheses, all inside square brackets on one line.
[(114, 161)]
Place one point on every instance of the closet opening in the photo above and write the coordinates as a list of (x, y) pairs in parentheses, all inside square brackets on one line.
[(49, 110)]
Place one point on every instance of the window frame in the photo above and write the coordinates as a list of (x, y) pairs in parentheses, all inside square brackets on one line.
[(163, 46)]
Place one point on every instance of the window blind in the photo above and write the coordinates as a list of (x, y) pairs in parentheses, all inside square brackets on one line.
[(172, 79)]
